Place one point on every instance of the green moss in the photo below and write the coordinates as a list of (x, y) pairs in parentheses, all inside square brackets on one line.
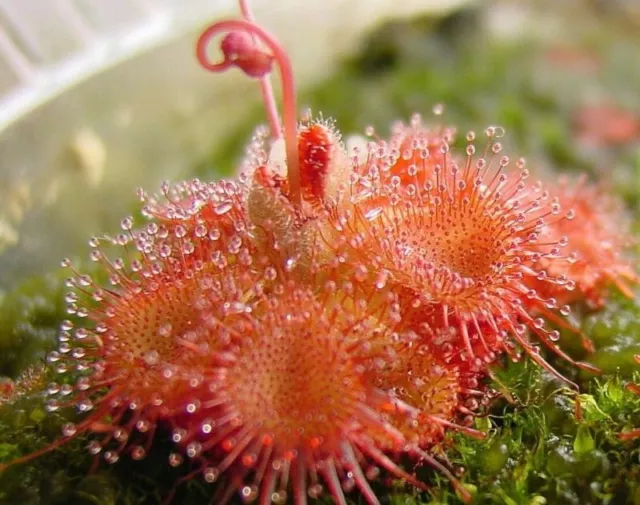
[(539, 451), (29, 320), (616, 332)]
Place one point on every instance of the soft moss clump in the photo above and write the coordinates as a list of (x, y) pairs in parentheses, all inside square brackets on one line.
[(29, 320)]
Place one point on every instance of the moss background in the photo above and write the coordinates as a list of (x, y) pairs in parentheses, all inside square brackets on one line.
[(538, 74)]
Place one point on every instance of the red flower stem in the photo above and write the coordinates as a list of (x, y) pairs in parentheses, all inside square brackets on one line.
[(265, 85), (289, 106)]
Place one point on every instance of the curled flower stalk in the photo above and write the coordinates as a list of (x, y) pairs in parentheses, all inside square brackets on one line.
[(239, 50), (265, 83)]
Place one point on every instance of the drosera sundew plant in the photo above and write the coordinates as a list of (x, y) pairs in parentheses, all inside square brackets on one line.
[(455, 234), (327, 320), (151, 344), (406, 211), (499, 220), (294, 411)]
